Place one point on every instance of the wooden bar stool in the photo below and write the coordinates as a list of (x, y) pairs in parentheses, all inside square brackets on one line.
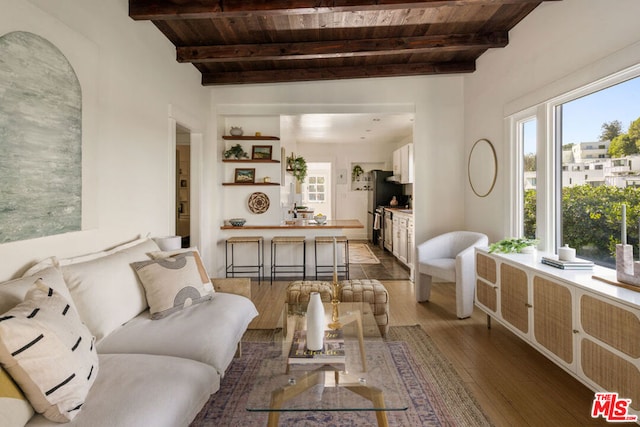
[(342, 268), (288, 268), (232, 269)]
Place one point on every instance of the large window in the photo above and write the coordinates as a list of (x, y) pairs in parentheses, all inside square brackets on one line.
[(574, 191), (530, 177)]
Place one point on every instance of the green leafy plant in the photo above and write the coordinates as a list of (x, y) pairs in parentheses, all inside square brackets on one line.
[(512, 245), (298, 167), (236, 151), (356, 172)]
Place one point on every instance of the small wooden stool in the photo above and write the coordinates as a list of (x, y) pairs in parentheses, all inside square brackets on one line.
[(232, 269), (328, 268), (288, 268)]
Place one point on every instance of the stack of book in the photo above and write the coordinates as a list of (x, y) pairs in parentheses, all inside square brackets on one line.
[(332, 352), (576, 264)]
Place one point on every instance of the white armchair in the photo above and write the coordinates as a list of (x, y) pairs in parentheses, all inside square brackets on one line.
[(451, 257)]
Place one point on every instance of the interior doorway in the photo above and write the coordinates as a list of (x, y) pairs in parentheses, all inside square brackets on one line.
[(183, 185)]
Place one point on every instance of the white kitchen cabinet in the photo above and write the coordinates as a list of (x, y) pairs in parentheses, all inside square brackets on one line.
[(411, 249), (402, 243), (403, 164), (403, 249), (388, 230), (587, 327), (396, 236)]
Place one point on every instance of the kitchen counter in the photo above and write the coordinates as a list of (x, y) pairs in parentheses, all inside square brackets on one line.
[(400, 211), (300, 224)]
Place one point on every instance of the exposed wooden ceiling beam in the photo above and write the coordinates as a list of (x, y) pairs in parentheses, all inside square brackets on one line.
[(308, 74), (340, 48), (158, 10)]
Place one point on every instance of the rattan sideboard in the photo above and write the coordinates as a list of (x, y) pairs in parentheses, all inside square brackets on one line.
[(588, 327)]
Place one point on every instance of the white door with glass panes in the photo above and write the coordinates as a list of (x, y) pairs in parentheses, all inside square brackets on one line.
[(317, 189)]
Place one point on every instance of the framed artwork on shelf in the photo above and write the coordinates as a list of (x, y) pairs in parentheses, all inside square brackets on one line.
[(245, 175), (261, 152)]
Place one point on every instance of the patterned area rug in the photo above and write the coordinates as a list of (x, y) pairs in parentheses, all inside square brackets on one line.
[(360, 253), (437, 394)]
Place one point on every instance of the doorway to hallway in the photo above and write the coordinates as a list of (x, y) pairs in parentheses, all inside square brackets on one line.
[(183, 185)]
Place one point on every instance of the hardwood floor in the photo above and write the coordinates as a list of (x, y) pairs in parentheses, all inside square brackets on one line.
[(514, 384)]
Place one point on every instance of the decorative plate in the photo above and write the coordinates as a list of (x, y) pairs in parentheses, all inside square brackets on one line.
[(258, 202)]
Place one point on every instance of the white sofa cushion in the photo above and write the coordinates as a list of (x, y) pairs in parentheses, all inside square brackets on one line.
[(48, 352), (106, 290), (15, 409), (207, 332), (13, 292), (57, 262), (173, 283), (138, 389)]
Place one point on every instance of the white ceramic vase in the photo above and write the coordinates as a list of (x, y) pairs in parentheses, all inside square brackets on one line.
[(315, 322)]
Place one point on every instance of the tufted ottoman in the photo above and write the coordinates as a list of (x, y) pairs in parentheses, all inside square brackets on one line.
[(298, 292), (363, 290)]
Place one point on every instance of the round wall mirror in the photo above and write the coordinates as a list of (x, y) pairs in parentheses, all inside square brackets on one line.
[(482, 167)]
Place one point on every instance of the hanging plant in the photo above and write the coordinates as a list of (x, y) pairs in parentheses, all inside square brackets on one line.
[(356, 172), (298, 167)]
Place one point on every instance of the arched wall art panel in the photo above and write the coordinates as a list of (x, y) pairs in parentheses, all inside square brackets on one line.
[(40, 140)]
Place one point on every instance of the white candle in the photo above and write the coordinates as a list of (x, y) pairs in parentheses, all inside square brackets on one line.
[(623, 238)]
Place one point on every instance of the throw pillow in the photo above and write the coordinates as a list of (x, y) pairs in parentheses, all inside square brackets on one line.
[(14, 292), (15, 410), (49, 353), (206, 280), (106, 290), (173, 283)]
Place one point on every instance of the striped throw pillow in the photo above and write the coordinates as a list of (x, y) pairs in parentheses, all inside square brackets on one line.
[(48, 352)]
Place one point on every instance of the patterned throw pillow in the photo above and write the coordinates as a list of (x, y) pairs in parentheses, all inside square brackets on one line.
[(49, 353), (201, 269), (173, 283)]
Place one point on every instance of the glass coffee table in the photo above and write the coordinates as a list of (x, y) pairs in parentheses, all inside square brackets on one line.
[(366, 381)]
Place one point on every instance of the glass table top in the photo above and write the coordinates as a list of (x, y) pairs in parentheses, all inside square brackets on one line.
[(367, 381)]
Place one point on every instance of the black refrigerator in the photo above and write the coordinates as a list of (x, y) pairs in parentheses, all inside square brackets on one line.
[(380, 194)]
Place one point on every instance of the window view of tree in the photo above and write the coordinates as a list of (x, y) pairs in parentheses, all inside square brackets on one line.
[(600, 171), (530, 168), (625, 144), (610, 130)]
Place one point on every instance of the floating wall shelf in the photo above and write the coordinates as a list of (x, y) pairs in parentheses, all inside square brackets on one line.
[(250, 138), (250, 183), (250, 161)]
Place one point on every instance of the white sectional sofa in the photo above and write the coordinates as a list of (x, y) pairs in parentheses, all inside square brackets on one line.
[(156, 365)]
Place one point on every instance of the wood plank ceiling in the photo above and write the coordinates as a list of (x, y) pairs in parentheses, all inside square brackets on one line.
[(261, 41)]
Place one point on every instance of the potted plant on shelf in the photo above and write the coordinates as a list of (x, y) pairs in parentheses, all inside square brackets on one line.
[(356, 172), (237, 152), (298, 167), (514, 245)]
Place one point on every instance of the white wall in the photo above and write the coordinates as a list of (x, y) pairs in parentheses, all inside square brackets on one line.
[(438, 132), (560, 46), (129, 78)]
